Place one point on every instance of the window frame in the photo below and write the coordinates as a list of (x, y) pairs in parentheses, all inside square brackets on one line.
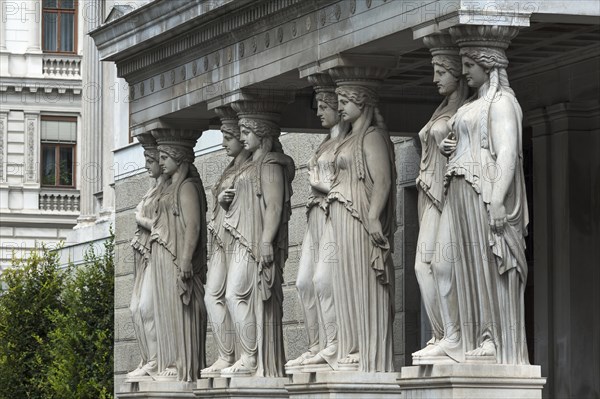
[(57, 147), (59, 11)]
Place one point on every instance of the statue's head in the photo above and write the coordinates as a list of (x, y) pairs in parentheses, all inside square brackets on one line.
[(352, 101), (173, 156), (478, 62), (447, 73), (258, 133), (152, 162), (327, 108)]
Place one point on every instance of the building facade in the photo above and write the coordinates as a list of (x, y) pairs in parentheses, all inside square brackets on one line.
[(184, 59)]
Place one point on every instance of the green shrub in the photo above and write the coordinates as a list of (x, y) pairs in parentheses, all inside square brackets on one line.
[(56, 327), (31, 290)]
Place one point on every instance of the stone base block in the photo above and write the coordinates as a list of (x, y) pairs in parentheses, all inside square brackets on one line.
[(156, 389), (241, 387), (343, 384), (471, 381)]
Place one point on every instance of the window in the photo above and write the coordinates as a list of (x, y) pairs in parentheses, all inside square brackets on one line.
[(59, 140), (59, 26)]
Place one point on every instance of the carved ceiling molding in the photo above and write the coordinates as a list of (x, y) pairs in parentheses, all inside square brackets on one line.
[(255, 41)]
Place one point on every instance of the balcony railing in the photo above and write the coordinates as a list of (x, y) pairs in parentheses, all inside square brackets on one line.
[(61, 201), (61, 66)]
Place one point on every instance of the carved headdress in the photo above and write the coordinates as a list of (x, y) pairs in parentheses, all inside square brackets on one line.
[(149, 144), (229, 121)]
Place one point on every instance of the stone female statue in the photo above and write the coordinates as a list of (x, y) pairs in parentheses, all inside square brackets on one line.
[(222, 245), (482, 277), (257, 219), (142, 301), (315, 286), (447, 76), (179, 259), (361, 205)]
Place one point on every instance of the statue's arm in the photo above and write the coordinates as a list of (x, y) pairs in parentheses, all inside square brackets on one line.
[(141, 220), (190, 212), (378, 165), (319, 185), (503, 133), (273, 192)]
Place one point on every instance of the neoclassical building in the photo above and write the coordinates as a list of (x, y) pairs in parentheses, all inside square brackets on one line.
[(184, 59)]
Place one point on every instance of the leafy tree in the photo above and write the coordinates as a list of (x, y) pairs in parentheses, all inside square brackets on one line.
[(30, 290), (56, 327), (81, 344)]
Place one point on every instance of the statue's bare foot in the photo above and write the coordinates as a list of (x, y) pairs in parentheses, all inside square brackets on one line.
[(432, 350), (298, 361), (217, 366), (316, 359), (168, 372), (139, 372), (352, 358), (239, 368), (487, 348)]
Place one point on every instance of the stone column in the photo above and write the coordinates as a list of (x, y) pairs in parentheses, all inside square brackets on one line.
[(3, 29), (91, 175), (32, 11)]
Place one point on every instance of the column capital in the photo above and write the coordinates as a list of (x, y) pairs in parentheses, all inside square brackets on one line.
[(321, 82), (147, 140), (368, 76), (489, 36)]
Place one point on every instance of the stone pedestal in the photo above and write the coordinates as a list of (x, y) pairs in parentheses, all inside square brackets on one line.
[(148, 388), (241, 387), (341, 384), (476, 381)]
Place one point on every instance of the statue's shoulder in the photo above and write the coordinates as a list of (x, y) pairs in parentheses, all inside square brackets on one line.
[(285, 161)]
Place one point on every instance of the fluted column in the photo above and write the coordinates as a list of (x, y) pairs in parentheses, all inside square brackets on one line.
[(32, 12), (91, 131)]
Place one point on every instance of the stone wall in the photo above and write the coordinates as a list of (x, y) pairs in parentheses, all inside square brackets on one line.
[(300, 147)]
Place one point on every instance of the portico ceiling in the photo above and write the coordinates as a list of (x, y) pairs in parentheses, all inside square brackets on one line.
[(274, 45)]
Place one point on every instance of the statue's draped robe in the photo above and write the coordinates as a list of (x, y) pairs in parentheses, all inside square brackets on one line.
[(489, 271), (221, 247), (180, 309), (254, 293), (363, 272), (142, 302)]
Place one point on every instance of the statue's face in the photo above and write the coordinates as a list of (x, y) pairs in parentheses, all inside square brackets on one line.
[(444, 80), (153, 167), (167, 164), (232, 146), (349, 112), (328, 115), (475, 74), (250, 140)]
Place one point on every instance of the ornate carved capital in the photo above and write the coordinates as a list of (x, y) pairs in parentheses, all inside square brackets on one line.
[(264, 110), (322, 83), (147, 141), (367, 76), (176, 137), (441, 44), (490, 36)]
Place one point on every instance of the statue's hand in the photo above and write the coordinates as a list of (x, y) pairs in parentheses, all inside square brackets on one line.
[(226, 196), (498, 218), (448, 145), (376, 232), (266, 254), (186, 271)]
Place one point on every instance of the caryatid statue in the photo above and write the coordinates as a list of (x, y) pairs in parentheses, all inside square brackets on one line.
[(447, 75), (361, 223), (142, 300), (482, 274), (315, 285), (257, 218), (222, 245), (179, 258)]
